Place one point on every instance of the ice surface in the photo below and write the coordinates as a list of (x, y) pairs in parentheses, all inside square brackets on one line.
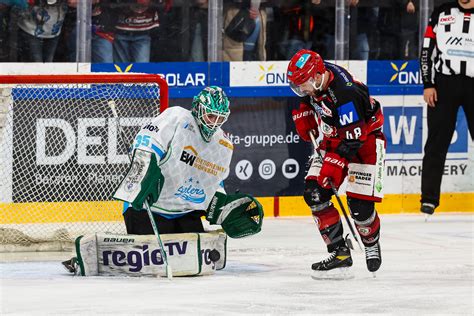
[(427, 269)]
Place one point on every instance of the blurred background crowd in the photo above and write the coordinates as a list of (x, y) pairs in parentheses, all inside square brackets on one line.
[(104, 31)]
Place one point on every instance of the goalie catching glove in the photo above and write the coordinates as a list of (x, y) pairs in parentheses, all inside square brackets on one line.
[(239, 214), (143, 181)]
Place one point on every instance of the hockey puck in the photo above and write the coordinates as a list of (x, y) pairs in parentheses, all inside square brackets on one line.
[(214, 255)]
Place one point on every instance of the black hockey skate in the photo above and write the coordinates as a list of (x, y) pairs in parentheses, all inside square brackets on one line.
[(335, 266), (71, 265), (373, 257), (428, 209)]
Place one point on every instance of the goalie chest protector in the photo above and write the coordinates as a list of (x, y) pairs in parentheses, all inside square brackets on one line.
[(192, 168)]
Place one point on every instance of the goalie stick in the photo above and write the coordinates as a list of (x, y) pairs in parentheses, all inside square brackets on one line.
[(169, 271), (336, 194)]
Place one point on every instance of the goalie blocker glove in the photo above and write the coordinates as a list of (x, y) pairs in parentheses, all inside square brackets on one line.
[(239, 214), (143, 181)]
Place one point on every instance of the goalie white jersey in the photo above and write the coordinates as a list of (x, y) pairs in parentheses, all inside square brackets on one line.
[(193, 169)]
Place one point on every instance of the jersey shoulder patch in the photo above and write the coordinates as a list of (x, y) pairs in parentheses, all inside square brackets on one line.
[(224, 140), (226, 143)]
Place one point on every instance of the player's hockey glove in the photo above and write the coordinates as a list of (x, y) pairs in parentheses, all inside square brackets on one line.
[(305, 122), (333, 168), (239, 214), (142, 182)]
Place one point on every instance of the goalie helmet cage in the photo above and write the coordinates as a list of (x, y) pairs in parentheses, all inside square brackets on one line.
[(62, 153)]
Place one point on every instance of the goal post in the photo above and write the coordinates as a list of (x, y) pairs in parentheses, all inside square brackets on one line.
[(62, 153)]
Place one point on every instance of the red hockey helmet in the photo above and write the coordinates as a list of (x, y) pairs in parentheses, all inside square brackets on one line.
[(302, 67)]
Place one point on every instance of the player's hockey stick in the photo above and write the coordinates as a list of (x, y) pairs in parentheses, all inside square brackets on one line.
[(336, 194), (169, 271)]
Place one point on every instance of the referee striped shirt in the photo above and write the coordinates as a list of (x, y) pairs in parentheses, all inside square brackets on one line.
[(448, 45)]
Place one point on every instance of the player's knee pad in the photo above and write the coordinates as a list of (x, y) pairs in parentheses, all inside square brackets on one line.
[(361, 210), (366, 220), (316, 197), (324, 214)]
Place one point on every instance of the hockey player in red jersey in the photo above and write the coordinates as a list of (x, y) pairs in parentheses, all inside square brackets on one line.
[(338, 108)]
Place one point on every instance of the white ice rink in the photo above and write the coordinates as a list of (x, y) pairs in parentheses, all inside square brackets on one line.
[(427, 269)]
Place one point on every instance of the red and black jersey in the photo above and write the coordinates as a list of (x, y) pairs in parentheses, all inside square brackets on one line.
[(448, 46), (346, 112)]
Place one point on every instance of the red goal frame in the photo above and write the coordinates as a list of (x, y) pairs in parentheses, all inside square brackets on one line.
[(93, 78)]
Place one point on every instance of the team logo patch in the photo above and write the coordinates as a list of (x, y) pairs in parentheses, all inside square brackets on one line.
[(327, 129), (302, 60), (347, 114), (191, 192), (364, 231)]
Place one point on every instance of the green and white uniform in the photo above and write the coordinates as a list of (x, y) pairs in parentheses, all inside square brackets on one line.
[(193, 169)]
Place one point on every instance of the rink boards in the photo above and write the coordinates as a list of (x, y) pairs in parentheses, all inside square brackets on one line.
[(269, 159)]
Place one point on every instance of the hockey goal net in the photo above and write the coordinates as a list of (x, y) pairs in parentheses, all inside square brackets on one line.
[(62, 153)]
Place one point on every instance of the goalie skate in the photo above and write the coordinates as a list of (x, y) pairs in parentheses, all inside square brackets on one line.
[(71, 265), (335, 267)]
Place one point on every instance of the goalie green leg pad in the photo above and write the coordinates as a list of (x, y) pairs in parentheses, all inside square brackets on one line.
[(140, 255), (86, 254), (214, 251)]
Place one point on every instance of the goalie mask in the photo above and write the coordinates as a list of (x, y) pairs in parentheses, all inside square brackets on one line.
[(210, 108), (303, 67)]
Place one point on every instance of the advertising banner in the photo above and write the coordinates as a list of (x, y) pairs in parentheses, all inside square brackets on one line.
[(397, 77), (405, 128), (67, 149), (270, 158), (258, 74), (185, 79)]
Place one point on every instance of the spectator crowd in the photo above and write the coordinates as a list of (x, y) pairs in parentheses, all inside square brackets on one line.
[(174, 30)]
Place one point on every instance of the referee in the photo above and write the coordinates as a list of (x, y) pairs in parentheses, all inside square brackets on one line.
[(447, 68)]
